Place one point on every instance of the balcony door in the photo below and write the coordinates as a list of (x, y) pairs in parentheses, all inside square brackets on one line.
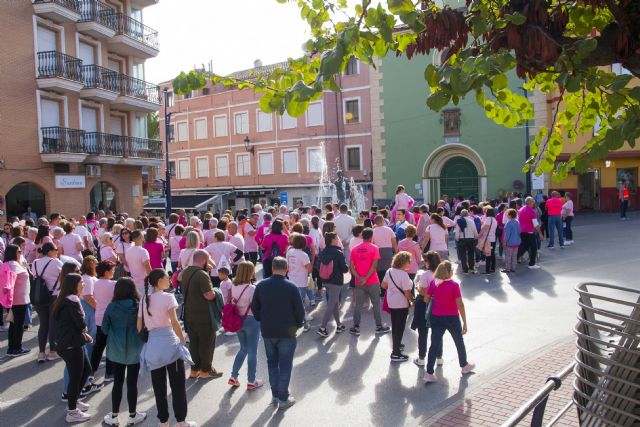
[(47, 39), (87, 53), (49, 113), (89, 119), (115, 125)]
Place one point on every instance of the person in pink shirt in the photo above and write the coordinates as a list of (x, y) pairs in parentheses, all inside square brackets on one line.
[(363, 263), (554, 215), (274, 244), (249, 232), (412, 248), (385, 239), (263, 230), (103, 294), (399, 298), (446, 312), (528, 227), (182, 217), (155, 248), (138, 260)]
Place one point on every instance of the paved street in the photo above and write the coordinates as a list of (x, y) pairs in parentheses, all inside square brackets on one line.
[(343, 380)]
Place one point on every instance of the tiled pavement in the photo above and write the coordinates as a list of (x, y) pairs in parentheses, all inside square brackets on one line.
[(495, 402)]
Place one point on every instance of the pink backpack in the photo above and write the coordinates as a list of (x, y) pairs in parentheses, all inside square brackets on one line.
[(7, 281), (232, 321), (326, 270)]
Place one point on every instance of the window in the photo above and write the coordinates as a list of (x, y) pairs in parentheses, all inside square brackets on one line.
[(49, 113), (202, 167), (222, 166), (201, 128), (265, 163), (172, 133), (172, 168), (89, 119), (206, 91), (141, 127), (289, 161), (352, 110), (220, 123), (243, 165), (170, 101), (352, 67), (314, 114), (265, 122), (451, 120), (315, 159), (184, 171), (183, 131), (241, 121), (354, 157), (288, 122)]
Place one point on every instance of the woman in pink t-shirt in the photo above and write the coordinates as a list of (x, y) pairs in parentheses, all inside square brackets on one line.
[(445, 316), (431, 261), (399, 298), (154, 247), (103, 294), (413, 248)]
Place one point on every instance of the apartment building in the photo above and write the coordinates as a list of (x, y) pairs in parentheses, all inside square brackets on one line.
[(74, 106), (227, 153)]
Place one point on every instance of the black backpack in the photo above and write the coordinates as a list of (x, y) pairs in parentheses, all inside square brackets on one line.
[(274, 251), (40, 294)]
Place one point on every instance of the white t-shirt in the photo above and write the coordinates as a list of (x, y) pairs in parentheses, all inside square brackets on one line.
[(298, 260), (250, 244), (218, 250), (425, 279), (82, 231), (107, 252), (185, 259), (160, 303), (492, 223), (395, 296), (243, 303), (344, 225), (89, 282), (316, 236), (355, 241), (382, 237), (51, 273), (237, 241), (136, 257), (69, 244), (439, 238), (174, 244), (225, 288)]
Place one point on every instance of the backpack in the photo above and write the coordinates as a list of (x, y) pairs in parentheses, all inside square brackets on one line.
[(40, 294), (232, 321), (8, 282), (274, 251), (326, 270)]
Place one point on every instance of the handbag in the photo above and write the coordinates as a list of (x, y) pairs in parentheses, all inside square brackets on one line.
[(486, 250), (119, 271), (143, 333)]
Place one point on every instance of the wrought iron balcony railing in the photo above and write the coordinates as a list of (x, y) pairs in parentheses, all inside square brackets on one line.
[(97, 77), (130, 86), (68, 4), (57, 140), (57, 64), (128, 26), (94, 10), (103, 144)]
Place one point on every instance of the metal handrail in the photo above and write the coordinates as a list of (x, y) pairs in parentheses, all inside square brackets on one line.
[(538, 402), (58, 139), (97, 77), (94, 10), (128, 26), (57, 64), (130, 86)]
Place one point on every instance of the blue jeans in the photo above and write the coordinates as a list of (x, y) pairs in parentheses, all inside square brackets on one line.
[(308, 293), (555, 224), (280, 363), (27, 315), (439, 325), (568, 233), (248, 337)]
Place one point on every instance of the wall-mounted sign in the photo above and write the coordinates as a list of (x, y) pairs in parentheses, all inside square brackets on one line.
[(537, 181), (70, 181)]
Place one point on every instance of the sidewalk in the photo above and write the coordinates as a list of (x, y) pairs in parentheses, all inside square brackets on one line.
[(493, 403)]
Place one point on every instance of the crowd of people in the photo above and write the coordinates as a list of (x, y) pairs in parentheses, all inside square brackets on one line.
[(152, 296)]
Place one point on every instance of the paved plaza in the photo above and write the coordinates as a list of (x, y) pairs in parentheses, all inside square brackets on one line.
[(514, 322)]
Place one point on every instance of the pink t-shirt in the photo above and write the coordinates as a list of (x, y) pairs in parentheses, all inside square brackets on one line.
[(30, 251), (425, 279), (103, 293), (362, 256), (106, 253), (554, 206), (156, 250), (395, 296), (250, 244), (416, 253), (69, 244), (174, 244), (526, 215), (298, 260), (243, 303), (136, 257), (210, 236), (445, 295), (225, 288), (402, 201), (160, 303), (439, 238), (237, 241), (382, 237), (22, 286), (280, 239)]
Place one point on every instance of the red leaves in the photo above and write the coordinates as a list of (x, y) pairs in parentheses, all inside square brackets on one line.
[(445, 29)]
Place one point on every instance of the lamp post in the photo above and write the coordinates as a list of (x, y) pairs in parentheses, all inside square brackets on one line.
[(527, 149), (167, 183), (248, 146)]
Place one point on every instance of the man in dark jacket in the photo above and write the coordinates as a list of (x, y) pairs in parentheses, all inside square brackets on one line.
[(278, 307), (198, 291)]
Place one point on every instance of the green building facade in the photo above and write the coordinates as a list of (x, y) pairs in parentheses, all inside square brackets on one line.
[(457, 151)]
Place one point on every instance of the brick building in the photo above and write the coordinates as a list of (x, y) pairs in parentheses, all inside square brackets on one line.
[(226, 153), (75, 105)]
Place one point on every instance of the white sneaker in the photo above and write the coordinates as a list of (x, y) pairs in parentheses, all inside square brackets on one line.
[(429, 378), (82, 406), (110, 420), (137, 418), (77, 416), (186, 424), (469, 368), (440, 361), (230, 334), (418, 361), (534, 267)]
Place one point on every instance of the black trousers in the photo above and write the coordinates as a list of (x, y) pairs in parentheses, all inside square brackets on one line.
[(119, 371), (398, 323), (98, 348), (530, 245), (16, 328), (175, 372), (266, 268), (45, 331), (467, 254), (79, 369), (251, 256), (490, 260)]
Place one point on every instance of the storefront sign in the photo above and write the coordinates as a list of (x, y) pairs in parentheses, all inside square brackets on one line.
[(70, 181), (284, 198), (537, 181)]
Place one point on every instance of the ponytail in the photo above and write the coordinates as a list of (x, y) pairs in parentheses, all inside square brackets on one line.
[(152, 281), (146, 294)]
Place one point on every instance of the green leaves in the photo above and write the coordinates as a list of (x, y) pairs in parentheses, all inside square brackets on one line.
[(400, 7), (515, 18)]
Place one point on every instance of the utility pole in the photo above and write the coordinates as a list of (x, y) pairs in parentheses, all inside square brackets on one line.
[(167, 183), (527, 149)]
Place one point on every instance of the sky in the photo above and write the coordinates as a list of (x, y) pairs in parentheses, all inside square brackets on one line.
[(231, 33)]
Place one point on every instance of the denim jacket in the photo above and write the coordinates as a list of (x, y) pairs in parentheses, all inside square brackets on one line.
[(511, 233)]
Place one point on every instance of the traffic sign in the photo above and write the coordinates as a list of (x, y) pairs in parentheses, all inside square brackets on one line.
[(284, 198)]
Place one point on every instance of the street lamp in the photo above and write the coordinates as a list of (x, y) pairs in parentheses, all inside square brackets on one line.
[(248, 146), (167, 184)]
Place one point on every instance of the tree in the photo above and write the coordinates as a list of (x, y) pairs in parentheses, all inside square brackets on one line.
[(153, 126), (560, 47)]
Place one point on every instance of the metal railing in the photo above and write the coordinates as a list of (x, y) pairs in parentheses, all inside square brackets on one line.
[(128, 26), (607, 385), (538, 402), (98, 143), (58, 64), (68, 4), (57, 139), (130, 86), (142, 148), (94, 10), (97, 77)]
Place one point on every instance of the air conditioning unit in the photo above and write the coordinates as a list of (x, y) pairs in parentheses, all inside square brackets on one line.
[(93, 170)]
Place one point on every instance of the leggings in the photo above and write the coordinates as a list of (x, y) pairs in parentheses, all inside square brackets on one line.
[(98, 348), (398, 323), (175, 372), (490, 265), (118, 384), (333, 306), (79, 369), (45, 331), (15, 328)]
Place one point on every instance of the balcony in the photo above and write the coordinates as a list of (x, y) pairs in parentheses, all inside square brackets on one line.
[(59, 72), (100, 84), (58, 11), (144, 3), (133, 38), (97, 19), (137, 95), (62, 145)]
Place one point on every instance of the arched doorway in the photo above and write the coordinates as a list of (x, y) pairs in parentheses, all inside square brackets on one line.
[(24, 196), (459, 177), (102, 197)]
